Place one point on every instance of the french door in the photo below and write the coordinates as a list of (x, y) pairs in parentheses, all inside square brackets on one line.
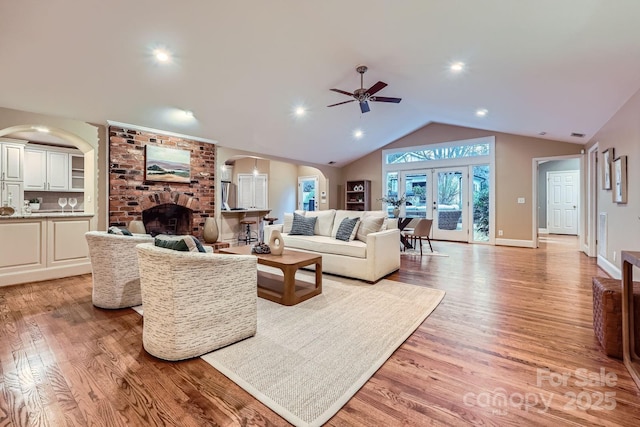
[(453, 197)]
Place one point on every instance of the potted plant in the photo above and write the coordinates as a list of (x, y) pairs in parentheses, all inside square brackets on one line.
[(396, 202), (34, 204)]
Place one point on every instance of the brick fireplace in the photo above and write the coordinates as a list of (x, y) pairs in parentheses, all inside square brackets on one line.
[(131, 196), (168, 213)]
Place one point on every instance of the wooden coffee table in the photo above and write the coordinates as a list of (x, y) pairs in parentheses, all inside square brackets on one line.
[(284, 290)]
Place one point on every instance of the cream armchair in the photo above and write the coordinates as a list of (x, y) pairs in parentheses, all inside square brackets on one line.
[(114, 264), (194, 303)]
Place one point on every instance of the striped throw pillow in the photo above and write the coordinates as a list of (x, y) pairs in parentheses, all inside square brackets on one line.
[(347, 229), (303, 226)]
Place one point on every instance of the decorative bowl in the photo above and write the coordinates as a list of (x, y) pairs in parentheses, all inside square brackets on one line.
[(6, 211)]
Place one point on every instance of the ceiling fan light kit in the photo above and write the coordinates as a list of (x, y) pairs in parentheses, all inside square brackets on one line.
[(363, 96)]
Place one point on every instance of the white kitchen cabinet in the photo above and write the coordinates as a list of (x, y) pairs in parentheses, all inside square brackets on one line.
[(49, 170), (57, 171), (76, 172), (12, 194), (252, 191), (35, 165), (11, 161), (11, 173)]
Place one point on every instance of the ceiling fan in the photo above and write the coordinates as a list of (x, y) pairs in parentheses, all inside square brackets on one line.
[(363, 95)]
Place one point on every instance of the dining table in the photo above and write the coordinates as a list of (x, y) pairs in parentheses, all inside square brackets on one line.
[(403, 222)]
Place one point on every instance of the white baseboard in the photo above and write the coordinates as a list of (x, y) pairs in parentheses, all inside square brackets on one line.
[(543, 231), (611, 269), (514, 242), (50, 273)]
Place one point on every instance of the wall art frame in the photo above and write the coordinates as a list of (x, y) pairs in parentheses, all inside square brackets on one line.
[(167, 164), (607, 158), (619, 176)]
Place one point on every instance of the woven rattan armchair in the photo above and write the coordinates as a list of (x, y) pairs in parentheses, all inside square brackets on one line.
[(114, 264), (194, 303)]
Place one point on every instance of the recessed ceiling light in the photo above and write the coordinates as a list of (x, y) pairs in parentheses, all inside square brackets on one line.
[(481, 112), (41, 129), (300, 111), (456, 67), (188, 114), (161, 55), (358, 133), (542, 133)]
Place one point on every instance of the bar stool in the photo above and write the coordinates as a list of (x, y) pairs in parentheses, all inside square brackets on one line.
[(248, 235), (270, 220)]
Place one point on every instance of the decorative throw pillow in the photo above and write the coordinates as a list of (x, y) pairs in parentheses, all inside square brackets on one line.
[(369, 225), (302, 226), (347, 229), (119, 230), (179, 243), (287, 223)]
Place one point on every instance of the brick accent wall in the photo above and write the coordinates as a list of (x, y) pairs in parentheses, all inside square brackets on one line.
[(128, 190)]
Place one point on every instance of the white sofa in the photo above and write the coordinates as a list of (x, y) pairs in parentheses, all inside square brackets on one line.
[(370, 259)]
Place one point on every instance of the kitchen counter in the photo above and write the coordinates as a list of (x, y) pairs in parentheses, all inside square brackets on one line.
[(47, 215), (230, 222)]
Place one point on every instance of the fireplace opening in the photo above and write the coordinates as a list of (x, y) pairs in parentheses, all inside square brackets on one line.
[(167, 219)]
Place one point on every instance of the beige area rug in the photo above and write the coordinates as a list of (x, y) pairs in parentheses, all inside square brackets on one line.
[(307, 361), (425, 252)]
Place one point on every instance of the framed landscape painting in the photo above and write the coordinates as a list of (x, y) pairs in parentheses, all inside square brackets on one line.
[(620, 179), (167, 164), (607, 157)]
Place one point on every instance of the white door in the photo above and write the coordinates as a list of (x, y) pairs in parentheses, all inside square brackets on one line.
[(308, 193), (562, 202), (450, 204)]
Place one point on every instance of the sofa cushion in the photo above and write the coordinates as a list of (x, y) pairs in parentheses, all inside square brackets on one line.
[(342, 214), (185, 243), (288, 221), (119, 230), (348, 229), (369, 224), (326, 245), (302, 226), (377, 214), (324, 224)]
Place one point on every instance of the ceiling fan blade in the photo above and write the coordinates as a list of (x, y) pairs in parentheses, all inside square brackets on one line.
[(340, 103), (376, 88), (364, 107), (342, 91), (385, 99)]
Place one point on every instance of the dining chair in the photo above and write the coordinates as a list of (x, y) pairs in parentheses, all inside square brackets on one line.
[(421, 231)]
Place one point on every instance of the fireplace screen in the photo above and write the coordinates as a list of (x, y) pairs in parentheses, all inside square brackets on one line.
[(167, 219)]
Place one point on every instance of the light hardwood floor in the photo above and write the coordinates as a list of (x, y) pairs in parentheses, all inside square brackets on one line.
[(515, 323)]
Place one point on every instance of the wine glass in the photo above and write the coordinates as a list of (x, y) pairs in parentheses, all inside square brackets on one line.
[(62, 201), (73, 202)]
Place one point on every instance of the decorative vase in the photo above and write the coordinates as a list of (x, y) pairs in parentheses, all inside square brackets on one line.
[(210, 231), (136, 226), (396, 212), (276, 248)]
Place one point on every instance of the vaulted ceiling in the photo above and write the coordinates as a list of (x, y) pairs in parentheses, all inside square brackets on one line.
[(242, 68)]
